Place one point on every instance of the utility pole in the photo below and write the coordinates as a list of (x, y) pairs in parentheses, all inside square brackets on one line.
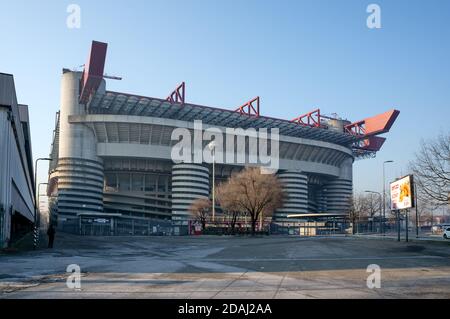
[(417, 212), (407, 224), (384, 194), (212, 147)]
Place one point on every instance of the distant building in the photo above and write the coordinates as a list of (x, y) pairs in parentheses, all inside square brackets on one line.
[(16, 165), (112, 171)]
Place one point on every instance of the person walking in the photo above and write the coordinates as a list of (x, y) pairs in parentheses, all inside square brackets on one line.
[(51, 236)]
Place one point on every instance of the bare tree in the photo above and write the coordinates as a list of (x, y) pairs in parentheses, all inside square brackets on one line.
[(230, 208), (424, 213), (252, 193), (431, 169), (425, 207), (201, 210), (233, 216), (357, 209), (373, 207)]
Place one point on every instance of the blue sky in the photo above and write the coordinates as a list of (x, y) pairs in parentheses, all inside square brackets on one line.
[(296, 55)]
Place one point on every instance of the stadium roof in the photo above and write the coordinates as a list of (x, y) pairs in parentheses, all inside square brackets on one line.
[(129, 104), (361, 136)]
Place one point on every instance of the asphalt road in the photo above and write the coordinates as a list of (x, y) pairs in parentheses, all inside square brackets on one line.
[(228, 267)]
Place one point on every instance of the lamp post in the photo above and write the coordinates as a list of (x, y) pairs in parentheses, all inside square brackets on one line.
[(212, 147), (381, 212), (384, 193), (36, 220), (417, 211)]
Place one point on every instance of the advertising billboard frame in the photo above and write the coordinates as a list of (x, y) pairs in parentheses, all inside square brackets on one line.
[(399, 181)]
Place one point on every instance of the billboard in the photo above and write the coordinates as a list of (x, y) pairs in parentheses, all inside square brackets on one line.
[(402, 193)]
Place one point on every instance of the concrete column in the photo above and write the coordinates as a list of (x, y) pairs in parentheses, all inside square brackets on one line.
[(321, 201), (80, 170), (295, 186), (189, 182), (338, 191)]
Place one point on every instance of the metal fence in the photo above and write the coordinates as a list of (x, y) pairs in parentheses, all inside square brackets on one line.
[(310, 229), (144, 227), (118, 227)]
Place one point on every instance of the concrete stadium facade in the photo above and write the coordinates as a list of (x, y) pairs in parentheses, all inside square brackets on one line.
[(17, 215), (112, 161)]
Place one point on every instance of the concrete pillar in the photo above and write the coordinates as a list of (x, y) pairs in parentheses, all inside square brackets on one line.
[(321, 201), (295, 186), (80, 170), (340, 190), (189, 182)]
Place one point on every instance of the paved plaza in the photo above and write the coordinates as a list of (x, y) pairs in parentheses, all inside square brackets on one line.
[(228, 267)]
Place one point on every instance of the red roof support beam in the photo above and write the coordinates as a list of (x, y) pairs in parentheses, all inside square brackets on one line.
[(178, 95), (312, 119), (250, 108), (357, 128), (93, 71), (375, 125), (381, 123)]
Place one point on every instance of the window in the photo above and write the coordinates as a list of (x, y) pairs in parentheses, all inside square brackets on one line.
[(150, 183), (110, 181), (137, 182), (162, 183), (124, 182)]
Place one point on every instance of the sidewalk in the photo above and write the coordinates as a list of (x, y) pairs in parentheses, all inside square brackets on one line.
[(26, 244)]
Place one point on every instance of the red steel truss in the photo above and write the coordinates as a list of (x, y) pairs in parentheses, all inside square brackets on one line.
[(312, 119), (93, 71), (375, 125), (357, 128), (369, 128), (178, 95), (249, 108)]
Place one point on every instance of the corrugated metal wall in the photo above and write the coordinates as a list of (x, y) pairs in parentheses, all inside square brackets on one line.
[(16, 188)]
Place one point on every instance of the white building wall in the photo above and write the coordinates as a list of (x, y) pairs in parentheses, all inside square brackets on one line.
[(76, 140), (80, 170), (12, 170)]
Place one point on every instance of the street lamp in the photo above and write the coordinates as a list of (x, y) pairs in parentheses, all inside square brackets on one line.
[(36, 220), (381, 213), (384, 192), (212, 147)]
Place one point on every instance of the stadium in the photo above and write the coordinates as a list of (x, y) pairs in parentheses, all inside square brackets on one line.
[(112, 172)]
